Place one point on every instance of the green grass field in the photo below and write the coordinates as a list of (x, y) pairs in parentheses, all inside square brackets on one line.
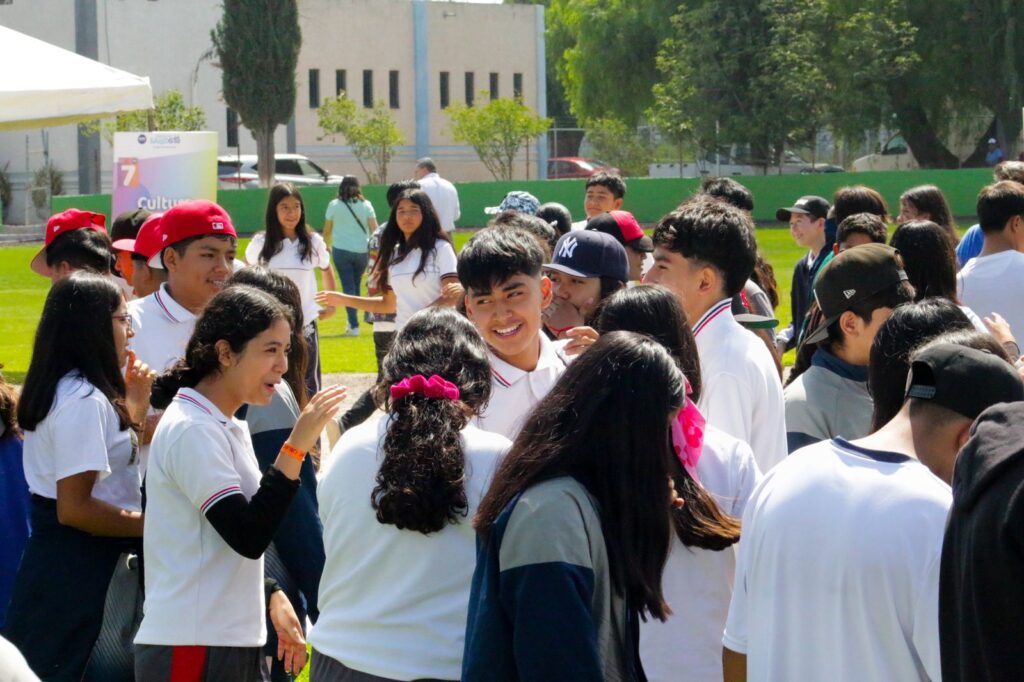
[(24, 293)]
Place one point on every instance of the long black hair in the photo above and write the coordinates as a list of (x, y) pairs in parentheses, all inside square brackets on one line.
[(928, 258), (655, 312), (606, 424), (349, 190), (393, 245), (75, 334), (909, 326), (930, 199), (420, 483), (274, 232), (236, 315), (285, 291)]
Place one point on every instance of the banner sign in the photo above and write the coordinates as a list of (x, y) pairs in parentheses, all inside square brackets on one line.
[(157, 170)]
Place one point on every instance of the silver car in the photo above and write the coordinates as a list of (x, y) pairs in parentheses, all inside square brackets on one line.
[(241, 171)]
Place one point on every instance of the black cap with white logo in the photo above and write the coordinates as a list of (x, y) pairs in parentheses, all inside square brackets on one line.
[(816, 207), (589, 253)]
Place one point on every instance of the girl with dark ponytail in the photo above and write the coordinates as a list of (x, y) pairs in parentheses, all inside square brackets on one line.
[(714, 474), (396, 503), (210, 514), (79, 411)]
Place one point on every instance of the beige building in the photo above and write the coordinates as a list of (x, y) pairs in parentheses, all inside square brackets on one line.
[(415, 56)]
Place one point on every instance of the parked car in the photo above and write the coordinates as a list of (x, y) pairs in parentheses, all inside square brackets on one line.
[(561, 167), (242, 172), (895, 154)]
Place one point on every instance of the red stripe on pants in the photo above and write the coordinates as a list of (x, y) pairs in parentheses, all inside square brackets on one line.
[(188, 663)]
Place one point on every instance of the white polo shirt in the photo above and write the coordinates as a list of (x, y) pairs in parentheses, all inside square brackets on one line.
[(837, 574), (697, 583), (740, 389), (162, 328), (393, 603), (199, 591), (290, 263), (81, 432), (444, 197), (514, 391), (414, 292)]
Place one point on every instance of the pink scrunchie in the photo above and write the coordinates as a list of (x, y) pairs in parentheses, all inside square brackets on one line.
[(434, 387), (688, 436)]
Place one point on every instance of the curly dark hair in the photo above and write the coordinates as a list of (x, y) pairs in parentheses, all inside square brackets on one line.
[(8, 408), (420, 483), (237, 315)]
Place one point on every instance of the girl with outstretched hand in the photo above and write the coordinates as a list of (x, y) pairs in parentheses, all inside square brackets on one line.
[(80, 414), (211, 515)]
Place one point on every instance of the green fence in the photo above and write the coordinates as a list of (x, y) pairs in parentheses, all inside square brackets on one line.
[(647, 198)]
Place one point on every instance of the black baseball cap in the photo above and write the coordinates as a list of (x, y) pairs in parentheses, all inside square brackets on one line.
[(852, 276), (965, 380), (811, 205), (589, 253), (126, 225)]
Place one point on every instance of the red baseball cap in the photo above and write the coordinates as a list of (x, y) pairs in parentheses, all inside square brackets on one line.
[(624, 227), (194, 218), (62, 223), (147, 242)]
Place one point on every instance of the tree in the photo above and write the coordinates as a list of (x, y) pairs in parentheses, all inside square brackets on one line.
[(620, 145), (257, 44), (169, 112), (373, 134), (496, 131)]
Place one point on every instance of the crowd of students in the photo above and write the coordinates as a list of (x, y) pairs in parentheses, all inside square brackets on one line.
[(585, 465)]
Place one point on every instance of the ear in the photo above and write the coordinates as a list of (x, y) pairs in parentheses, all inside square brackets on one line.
[(850, 324), (618, 204), (468, 307), (963, 436), (710, 281), (835, 249), (547, 292), (224, 353), (171, 259)]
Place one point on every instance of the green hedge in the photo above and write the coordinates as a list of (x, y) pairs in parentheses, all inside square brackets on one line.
[(647, 198)]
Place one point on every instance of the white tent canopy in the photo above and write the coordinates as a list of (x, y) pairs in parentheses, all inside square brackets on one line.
[(43, 85)]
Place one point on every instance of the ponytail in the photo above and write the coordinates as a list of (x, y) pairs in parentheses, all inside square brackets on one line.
[(420, 481), (166, 386)]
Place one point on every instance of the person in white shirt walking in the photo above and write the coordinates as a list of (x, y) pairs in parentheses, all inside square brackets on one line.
[(838, 570), (442, 193), (704, 252), (397, 501), (993, 282), (289, 246)]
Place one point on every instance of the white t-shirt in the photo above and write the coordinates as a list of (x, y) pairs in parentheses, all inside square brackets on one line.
[(445, 198), (837, 574), (81, 432), (995, 284), (697, 583), (199, 591), (162, 328), (413, 294), (514, 391), (393, 603), (289, 262), (741, 393)]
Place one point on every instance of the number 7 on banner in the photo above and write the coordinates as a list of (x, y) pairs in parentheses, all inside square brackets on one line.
[(130, 172)]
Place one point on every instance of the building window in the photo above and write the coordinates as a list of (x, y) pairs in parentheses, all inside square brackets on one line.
[(393, 89), (314, 88), (470, 89), (339, 82), (517, 85), (445, 95), (494, 86), (368, 89)]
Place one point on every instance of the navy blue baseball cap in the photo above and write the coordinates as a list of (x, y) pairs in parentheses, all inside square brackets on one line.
[(589, 253)]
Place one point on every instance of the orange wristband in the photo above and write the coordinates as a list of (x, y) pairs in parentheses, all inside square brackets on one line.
[(293, 452)]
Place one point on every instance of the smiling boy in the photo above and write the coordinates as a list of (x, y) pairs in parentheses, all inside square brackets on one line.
[(505, 296), (604, 192)]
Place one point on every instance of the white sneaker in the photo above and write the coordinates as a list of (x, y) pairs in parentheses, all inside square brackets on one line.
[(352, 331)]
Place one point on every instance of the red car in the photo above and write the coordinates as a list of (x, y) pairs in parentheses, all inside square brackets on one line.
[(576, 167)]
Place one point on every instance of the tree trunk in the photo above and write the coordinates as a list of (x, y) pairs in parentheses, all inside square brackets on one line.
[(265, 154), (928, 148)]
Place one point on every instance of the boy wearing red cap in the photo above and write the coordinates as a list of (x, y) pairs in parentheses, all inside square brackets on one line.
[(143, 279), (197, 250), (75, 240), (627, 231)]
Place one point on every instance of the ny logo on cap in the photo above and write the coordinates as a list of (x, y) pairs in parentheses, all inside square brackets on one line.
[(849, 293), (568, 247), (217, 226)]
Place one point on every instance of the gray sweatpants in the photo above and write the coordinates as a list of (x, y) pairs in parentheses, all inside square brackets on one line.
[(157, 663), (326, 669)]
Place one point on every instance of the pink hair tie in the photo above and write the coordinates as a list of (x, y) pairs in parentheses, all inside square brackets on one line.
[(434, 387), (688, 435)]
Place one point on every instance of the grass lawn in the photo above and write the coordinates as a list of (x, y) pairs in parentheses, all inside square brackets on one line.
[(24, 292)]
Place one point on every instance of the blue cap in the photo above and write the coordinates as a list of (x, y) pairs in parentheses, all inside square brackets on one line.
[(588, 253), (520, 202)]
